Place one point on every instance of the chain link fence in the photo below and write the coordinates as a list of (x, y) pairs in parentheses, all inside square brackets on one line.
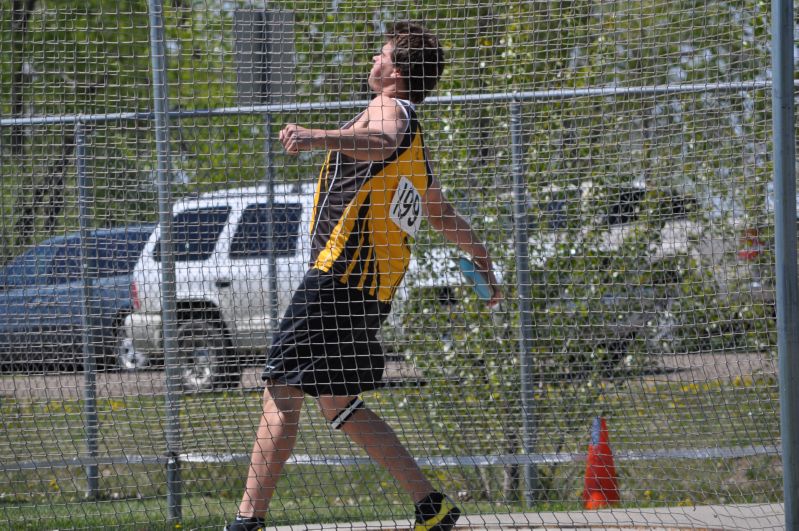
[(615, 156)]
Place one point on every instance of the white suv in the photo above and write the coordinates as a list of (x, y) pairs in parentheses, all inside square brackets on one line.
[(222, 256)]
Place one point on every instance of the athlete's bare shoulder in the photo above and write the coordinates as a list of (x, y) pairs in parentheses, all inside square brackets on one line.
[(386, 113)]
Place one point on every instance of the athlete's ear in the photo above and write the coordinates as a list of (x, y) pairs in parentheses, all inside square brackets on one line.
[(396, 75)]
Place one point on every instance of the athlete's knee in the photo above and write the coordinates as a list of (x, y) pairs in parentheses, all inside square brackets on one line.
[(344, 414), (282, 399)]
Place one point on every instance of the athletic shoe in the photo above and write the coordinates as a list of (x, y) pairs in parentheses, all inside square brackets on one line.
[(436, 513), (245, 524)]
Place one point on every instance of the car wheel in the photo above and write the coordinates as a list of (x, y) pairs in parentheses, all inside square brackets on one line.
[(127, 357), (205, 357)]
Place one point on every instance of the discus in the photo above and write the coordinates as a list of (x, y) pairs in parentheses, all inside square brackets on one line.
[(476, 279)]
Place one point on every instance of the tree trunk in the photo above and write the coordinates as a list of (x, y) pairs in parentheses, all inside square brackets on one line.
[(485, 479), (20, 13), (483, 148), (510, 482), (48, 197)]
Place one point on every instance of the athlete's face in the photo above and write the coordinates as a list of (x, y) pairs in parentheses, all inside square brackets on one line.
[(383, 73)]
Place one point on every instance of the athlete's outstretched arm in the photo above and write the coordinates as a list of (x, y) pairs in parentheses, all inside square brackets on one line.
[(374, 136), (445, 219)]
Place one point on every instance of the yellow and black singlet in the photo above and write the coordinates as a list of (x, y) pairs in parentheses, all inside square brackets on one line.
[(366, 214)]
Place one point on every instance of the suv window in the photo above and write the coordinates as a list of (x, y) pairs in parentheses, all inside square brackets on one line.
[(194, 233), (251, 241), (66, 263), (116, 254), (108, 255), (56, 261)]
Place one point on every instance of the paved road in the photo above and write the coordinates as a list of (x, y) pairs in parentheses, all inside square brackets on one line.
[(148, 382), (704, 517), (688, 368)]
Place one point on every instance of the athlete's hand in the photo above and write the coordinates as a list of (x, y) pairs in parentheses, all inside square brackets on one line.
[(296, 138), (485, 267)]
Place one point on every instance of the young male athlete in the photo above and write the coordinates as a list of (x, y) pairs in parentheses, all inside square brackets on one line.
[(374, 189)]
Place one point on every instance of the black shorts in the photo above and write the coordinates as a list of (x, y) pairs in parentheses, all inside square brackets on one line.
[(327, 341)]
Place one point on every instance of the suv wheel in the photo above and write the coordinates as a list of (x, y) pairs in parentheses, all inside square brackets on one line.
[(127, 357), (205, 356)]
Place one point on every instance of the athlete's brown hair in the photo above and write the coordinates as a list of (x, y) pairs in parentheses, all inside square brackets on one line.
[(418, 56)]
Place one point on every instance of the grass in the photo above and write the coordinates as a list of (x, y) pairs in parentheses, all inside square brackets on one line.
[(211, 494), (434, 420)]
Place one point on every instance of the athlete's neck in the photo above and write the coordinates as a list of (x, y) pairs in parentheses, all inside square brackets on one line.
[(394, 91)]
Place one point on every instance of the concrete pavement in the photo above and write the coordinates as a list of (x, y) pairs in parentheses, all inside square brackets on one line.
[(708, 517)]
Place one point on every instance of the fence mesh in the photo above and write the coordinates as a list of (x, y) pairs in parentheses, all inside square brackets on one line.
[(614, 156)]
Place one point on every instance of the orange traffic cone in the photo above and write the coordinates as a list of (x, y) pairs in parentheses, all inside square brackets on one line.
[(601, 486)]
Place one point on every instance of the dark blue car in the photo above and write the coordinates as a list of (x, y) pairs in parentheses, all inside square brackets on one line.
[(44, 291)]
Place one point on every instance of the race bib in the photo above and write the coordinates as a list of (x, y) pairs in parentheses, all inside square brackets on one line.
[(406, 207)]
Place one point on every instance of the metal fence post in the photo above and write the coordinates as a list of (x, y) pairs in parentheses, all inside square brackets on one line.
[(785, 242), (90, 420), (270, 231), (523, 285), (168, 288)]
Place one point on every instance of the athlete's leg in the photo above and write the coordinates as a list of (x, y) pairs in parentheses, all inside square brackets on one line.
[(376, 437), (277, 434)]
